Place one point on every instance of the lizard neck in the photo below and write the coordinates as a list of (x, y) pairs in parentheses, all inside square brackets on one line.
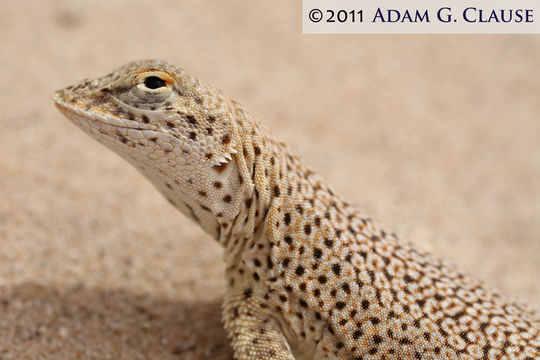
[(261, 161), (272, 176)]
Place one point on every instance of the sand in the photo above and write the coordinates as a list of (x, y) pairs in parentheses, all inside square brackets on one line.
[(438, 137)]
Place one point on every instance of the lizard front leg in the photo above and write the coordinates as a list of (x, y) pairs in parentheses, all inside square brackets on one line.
[(255, 334)]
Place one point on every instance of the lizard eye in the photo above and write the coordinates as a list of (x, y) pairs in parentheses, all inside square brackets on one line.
[(153, 88), (154, 82)]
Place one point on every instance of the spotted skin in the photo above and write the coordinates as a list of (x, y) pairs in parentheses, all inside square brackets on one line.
[(310, 276)]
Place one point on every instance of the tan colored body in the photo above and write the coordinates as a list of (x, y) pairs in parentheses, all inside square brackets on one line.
[(310, 276)]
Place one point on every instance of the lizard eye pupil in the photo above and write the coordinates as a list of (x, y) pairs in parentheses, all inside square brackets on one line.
[(154, 82)]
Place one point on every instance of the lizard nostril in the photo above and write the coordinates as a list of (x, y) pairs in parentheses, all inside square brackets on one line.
[(154, 82)]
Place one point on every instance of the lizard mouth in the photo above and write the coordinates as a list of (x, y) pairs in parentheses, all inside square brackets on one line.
[(128, 132), (71, 108)]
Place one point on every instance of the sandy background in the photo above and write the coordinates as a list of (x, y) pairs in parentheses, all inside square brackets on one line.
[(437, 137)]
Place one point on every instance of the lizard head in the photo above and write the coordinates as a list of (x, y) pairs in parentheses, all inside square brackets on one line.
[(177, 131)]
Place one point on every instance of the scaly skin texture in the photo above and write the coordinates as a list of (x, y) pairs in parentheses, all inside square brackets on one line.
[(310, 276)]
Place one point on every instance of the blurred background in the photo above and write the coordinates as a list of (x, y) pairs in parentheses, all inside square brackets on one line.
[(438, 137)]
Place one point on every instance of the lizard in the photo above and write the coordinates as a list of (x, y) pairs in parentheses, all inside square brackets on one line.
[(309, 275)]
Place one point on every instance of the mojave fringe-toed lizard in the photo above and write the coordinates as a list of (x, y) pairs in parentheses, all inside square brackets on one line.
[(309, 275)]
